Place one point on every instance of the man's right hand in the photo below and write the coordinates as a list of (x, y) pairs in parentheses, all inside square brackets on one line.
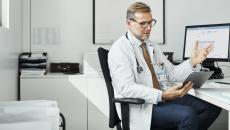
[(176, 91), (199, 54)]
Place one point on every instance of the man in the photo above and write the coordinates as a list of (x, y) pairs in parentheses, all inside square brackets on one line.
[(135, 63)]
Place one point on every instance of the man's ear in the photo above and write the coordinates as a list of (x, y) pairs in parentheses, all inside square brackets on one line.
[(128, 22)]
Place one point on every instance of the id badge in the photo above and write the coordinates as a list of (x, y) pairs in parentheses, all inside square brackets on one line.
[(160, 72), (162, 78)]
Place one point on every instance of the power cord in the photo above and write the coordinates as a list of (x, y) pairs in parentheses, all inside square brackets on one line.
[(226, 67), (211, 66), (202, 69), (221, 72)]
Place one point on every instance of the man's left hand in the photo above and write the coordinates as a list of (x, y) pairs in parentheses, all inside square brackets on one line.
[(199, 54)]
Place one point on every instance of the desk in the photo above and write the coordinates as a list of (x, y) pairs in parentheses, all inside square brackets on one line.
[(216, 94)]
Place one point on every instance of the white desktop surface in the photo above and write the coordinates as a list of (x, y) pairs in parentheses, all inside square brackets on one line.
[(217, 94)]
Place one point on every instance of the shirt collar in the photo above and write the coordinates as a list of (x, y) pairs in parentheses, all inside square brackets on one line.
[(136, 41)]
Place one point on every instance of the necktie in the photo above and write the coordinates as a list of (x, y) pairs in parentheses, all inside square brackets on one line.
[(148, 61)]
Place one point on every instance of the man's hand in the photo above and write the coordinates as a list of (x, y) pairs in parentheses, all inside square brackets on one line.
[(200, 54), (176, 91)]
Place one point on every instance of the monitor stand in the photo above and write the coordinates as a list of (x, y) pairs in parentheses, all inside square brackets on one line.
[(218, 74)]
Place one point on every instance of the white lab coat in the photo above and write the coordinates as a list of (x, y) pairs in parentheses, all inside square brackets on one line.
[(127, 82)]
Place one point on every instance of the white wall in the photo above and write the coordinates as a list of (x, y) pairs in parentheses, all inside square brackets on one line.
[(0, 13), (70, 22), (10, 46), (180, 13), (71, 18)]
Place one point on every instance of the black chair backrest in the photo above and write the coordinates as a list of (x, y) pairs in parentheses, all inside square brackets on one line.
[(103, 58), (169, 56)]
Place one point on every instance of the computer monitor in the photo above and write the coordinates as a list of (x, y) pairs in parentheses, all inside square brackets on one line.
[(216, 34)]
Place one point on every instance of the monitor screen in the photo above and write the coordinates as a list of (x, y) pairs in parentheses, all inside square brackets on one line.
[(216, 34)]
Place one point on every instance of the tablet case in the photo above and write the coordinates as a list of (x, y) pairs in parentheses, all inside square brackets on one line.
[(198, 78)]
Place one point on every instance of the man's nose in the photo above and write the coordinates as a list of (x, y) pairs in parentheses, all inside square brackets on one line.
[(149, 27)]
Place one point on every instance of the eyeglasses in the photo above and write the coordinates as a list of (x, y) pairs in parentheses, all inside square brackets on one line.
[(145, 24)]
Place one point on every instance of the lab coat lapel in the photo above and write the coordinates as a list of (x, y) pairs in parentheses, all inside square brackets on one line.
[(154, 54), (150, 49), (141, 57)]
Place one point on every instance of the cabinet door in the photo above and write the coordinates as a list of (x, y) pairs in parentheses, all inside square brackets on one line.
[(98, 105), (69, 93)]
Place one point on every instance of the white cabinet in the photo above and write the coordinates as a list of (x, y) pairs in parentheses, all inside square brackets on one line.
[(98, 104), (83, 99), (70, 97)]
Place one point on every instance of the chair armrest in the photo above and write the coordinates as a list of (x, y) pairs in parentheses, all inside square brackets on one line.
[(125, 102), (129, 100)]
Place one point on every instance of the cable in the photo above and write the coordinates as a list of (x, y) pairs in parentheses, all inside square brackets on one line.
[(226, 67), (222, 74), (217, 64), (201, 67)]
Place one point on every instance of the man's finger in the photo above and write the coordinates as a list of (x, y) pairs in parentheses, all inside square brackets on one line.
[(205, 52), (209, 47), (190, 86), (178, 87), (196, 45), (186, 85), (186, 91)]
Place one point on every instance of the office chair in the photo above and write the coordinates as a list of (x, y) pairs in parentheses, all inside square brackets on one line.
[(114, 120), (169, 56)]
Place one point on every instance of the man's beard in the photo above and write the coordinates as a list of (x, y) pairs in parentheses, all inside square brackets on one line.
[(141, 38)]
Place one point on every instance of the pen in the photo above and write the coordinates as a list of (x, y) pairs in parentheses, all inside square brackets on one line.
[(222, 82)]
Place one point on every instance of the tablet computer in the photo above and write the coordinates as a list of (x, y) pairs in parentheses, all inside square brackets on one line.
[(198, 78)]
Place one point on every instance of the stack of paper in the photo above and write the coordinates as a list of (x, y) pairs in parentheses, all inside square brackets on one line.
[(33, 63), (33, 71)]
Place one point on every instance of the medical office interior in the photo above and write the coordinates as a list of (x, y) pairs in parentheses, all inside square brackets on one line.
[(61, 31)]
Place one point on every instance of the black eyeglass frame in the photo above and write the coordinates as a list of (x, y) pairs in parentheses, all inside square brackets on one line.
[(152, 23)]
